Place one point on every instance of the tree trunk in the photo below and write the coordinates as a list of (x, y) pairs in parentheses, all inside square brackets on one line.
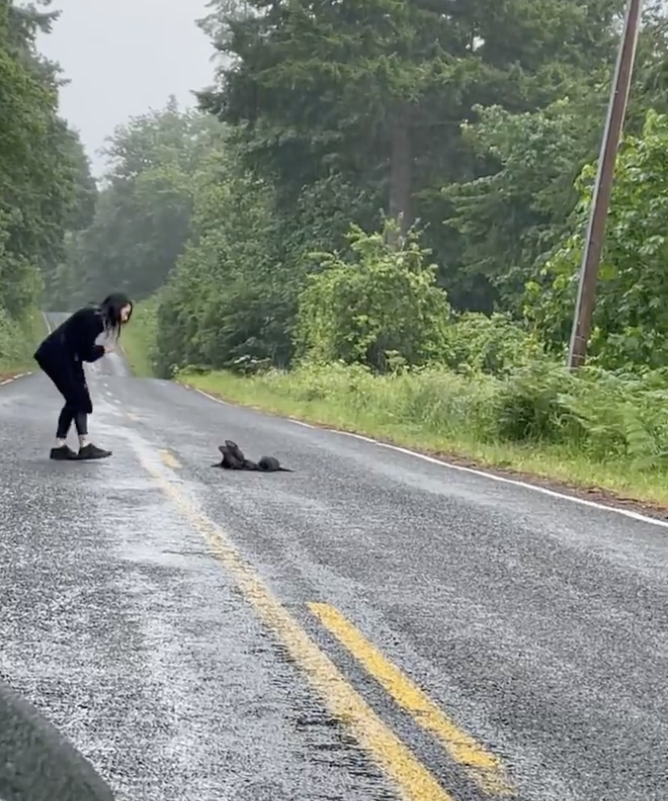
[(401, 170)]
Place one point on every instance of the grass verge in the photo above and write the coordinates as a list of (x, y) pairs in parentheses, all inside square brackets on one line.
[(138, 338), (18, 341), (449, 416)]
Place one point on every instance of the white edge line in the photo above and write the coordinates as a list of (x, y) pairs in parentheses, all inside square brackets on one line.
[(236, 406), (301, 423), (212, 397), (471, 470), (14, 378)]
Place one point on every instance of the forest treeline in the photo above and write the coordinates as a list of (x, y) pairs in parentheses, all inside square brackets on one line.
[(264, 217), (383, 184), (46, 191)]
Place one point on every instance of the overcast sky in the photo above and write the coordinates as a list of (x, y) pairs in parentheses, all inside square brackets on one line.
[(124, 57)]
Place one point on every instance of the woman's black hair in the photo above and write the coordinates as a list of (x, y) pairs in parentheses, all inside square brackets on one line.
[(111, 311)]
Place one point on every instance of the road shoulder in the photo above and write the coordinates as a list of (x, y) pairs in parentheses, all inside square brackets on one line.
[(592, 494)]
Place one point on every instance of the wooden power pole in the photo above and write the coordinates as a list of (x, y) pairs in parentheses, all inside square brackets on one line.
[(614, 124)]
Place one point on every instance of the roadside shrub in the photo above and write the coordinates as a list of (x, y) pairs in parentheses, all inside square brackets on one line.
[(10, 341), (381, 308), (19, 336), (494, 344), (531, 406)]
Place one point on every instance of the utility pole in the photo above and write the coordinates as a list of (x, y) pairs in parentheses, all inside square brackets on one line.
[(614, 124)]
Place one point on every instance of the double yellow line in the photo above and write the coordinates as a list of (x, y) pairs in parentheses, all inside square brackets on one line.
[(410, 776), (481, 766)]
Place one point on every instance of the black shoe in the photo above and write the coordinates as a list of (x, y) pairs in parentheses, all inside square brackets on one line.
[(91, 451), (63, 453)]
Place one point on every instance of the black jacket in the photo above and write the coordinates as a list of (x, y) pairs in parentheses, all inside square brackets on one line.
[(74, 340), (62, 353)]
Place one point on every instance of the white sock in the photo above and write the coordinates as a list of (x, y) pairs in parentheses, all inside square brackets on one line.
[(83, 440), (61, 443)]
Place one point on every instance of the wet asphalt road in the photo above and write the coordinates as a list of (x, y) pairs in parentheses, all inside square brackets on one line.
[(538, 626)]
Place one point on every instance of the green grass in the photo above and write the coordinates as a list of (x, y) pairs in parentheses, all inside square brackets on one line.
[(139, 337), (18, 341), (446, 414)]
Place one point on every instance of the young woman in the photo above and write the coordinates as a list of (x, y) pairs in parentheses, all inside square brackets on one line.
[(61, 356)]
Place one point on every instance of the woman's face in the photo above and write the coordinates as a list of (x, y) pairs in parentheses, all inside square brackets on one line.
[(126, 311)]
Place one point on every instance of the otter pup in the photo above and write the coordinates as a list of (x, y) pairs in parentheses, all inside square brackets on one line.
[(270, 464), (234, 459)]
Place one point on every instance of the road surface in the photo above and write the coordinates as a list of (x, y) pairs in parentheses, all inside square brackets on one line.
[(370, 627)]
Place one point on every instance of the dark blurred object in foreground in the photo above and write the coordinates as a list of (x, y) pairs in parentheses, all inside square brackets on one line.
[(37, 763)]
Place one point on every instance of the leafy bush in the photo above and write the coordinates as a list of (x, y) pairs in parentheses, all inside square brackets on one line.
[(493, 344), (19, 337), (10, 341), (228, 298), (380, 306), (529, 406)]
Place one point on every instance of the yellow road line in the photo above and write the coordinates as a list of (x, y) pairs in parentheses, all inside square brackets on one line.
[(413, 780), (484, 768), (169, 460)]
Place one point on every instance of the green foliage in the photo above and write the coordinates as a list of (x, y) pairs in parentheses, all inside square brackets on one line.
[(507, 219), (382, 303), (45, 186), (227, 298), (10, 342), (630, 321), (376, 94), (18, 337), (495, 345), (140, 338)]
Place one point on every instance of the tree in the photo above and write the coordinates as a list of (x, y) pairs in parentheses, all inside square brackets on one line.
[(227, 298), (36, 162), (508, 220), (378, 88), (142, 216), (471, 122)]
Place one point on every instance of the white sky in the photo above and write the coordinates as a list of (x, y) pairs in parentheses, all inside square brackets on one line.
[(124, 57)]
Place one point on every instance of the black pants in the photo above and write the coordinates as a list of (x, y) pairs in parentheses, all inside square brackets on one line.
[(68, 415), (70, 381)]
